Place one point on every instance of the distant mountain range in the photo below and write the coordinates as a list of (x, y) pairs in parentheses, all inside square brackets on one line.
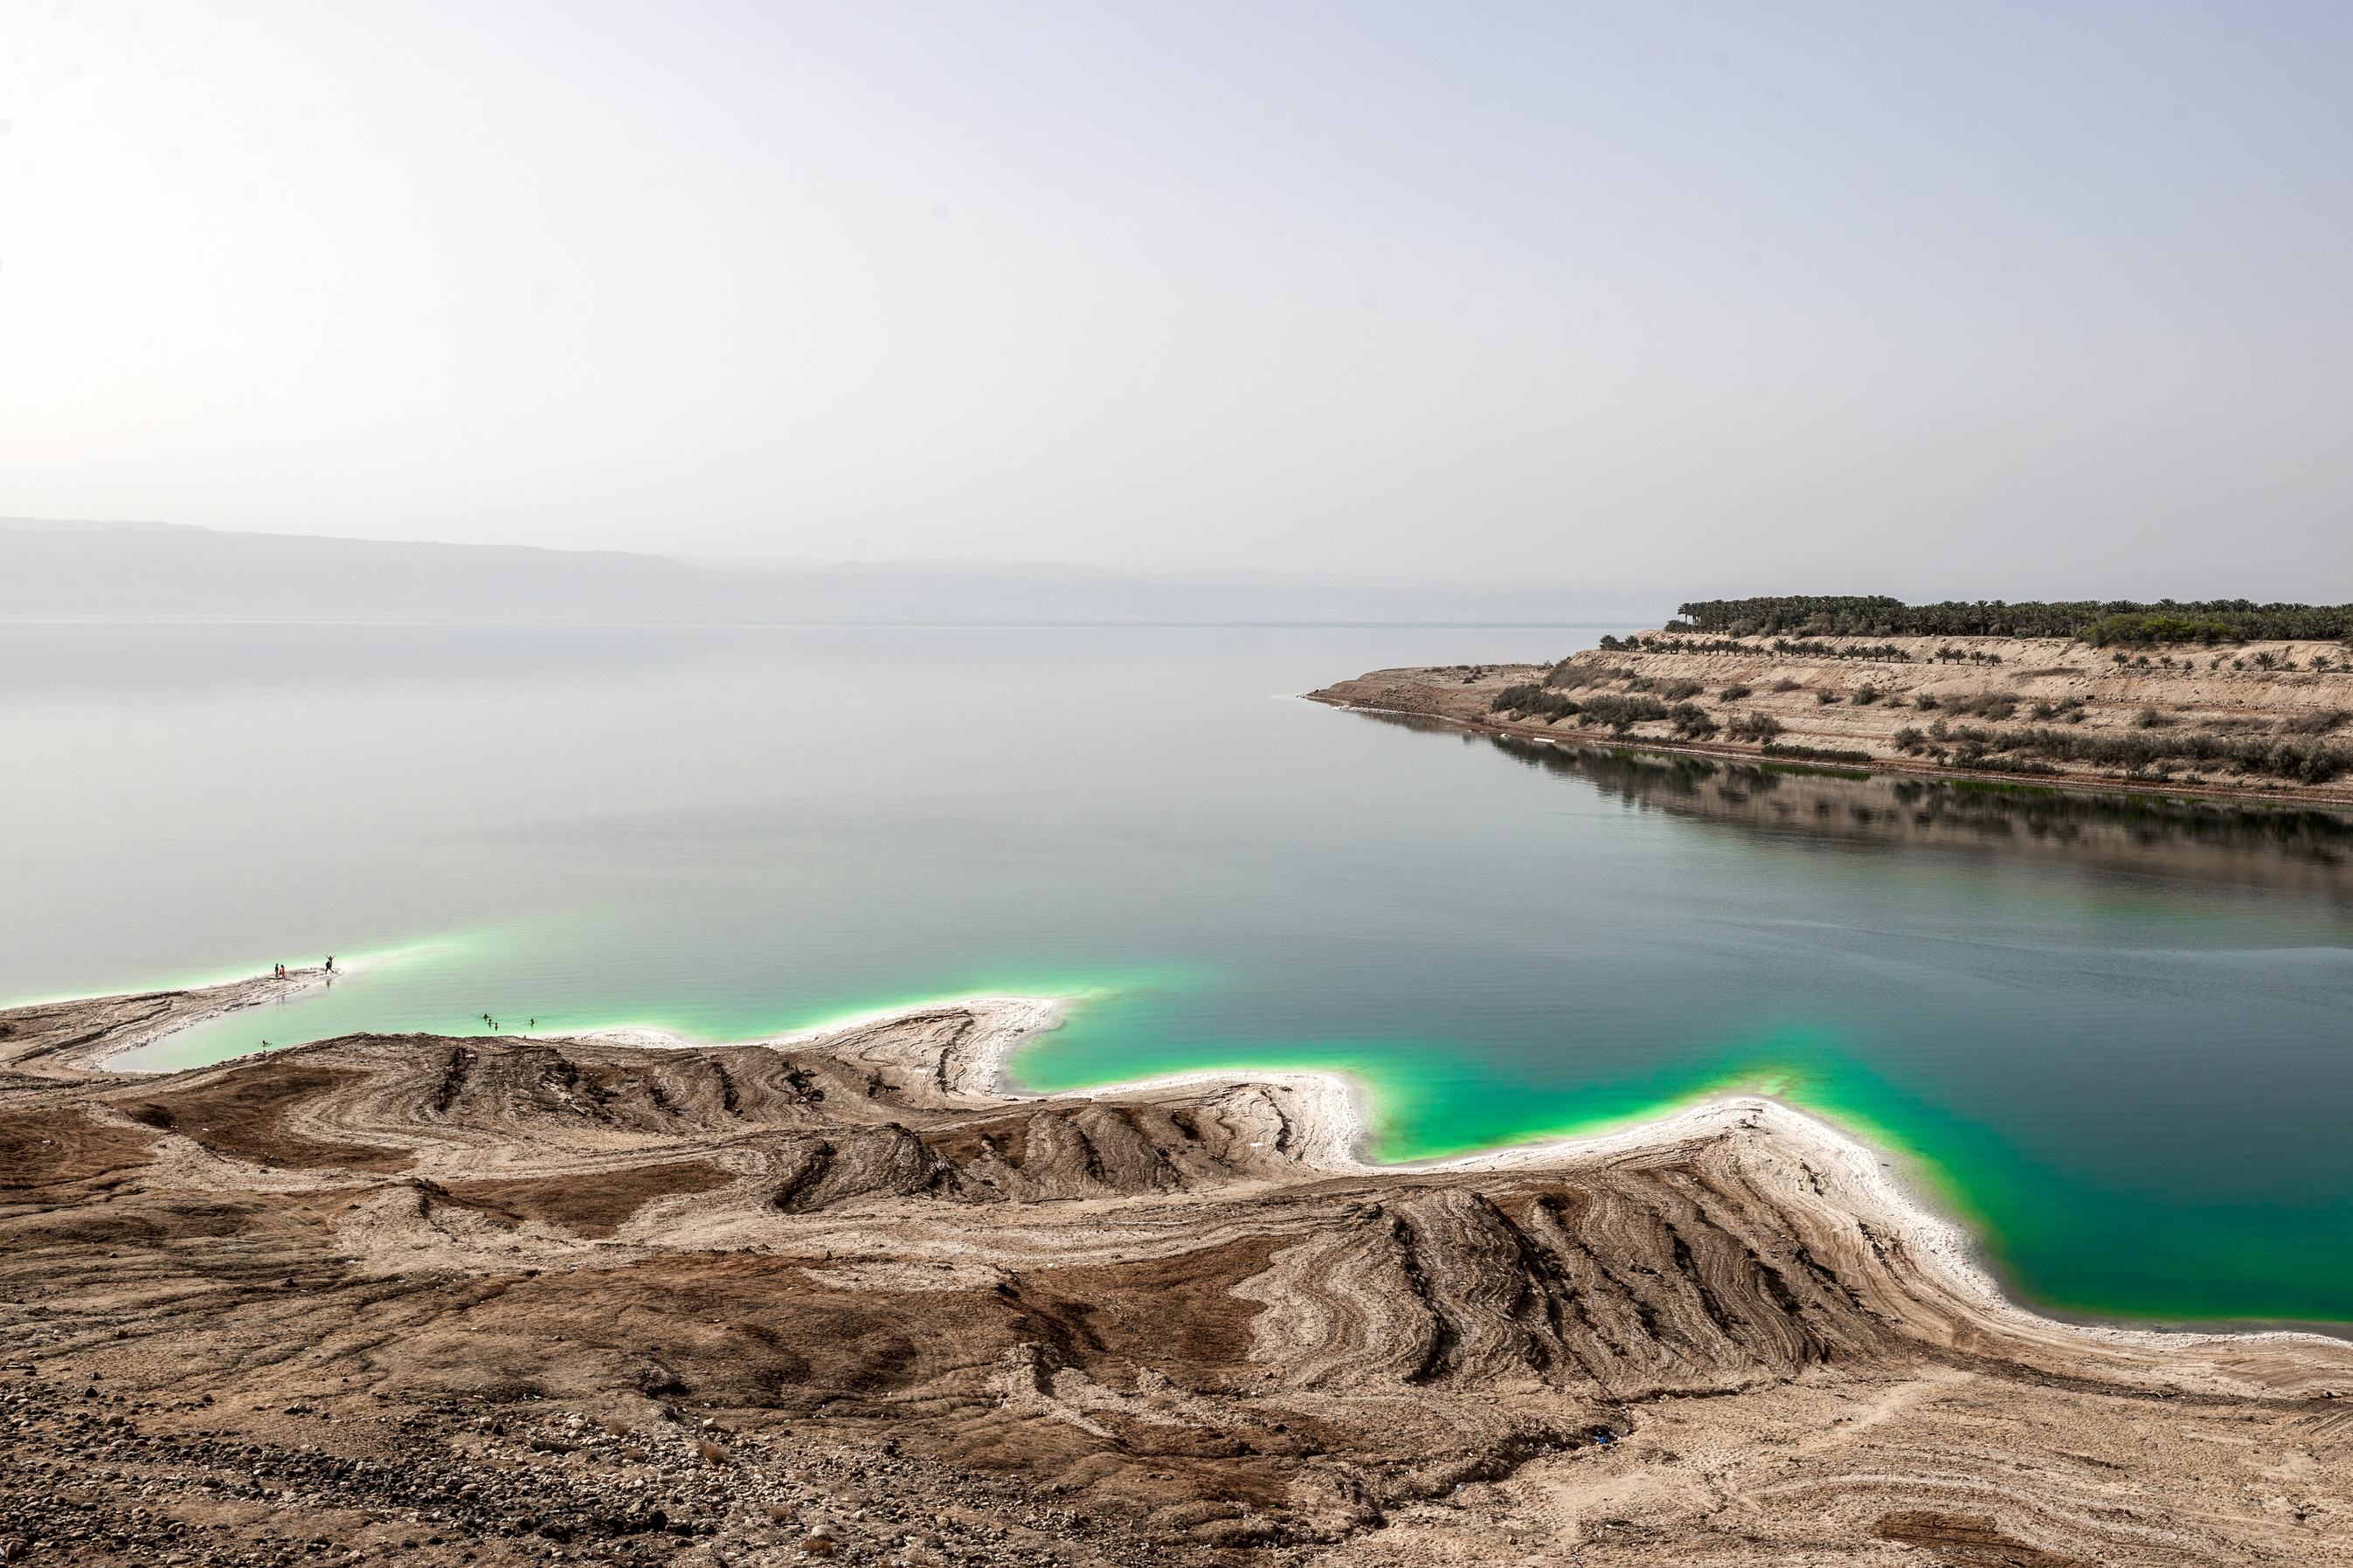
[(150, 572)]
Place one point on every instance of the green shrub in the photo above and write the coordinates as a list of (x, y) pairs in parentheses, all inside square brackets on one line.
[(1621, 713), (1784, 684), (1690, 720), (1532, 700), (1731, 694), (2146, 629), (2002, 764), (1994, 705), (1513, 698), (1755, 726), (2142, 753), (1569, 675), (1681, 690)]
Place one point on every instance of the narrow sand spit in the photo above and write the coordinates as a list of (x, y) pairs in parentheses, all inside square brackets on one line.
[(502, 1296)]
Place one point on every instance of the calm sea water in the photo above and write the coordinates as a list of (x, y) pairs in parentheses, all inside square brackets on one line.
[(2119, 1045)]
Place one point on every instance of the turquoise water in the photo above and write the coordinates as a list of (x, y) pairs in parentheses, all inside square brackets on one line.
[(2124, 1059)]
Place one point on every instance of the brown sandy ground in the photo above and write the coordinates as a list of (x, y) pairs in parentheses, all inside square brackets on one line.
[(2186, 696), (498, 1300)]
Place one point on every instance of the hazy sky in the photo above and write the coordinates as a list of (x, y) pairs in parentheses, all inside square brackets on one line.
[(1985, 300)]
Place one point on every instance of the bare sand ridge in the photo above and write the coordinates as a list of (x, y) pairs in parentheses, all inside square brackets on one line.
[(1988, 685), (422, 1298)]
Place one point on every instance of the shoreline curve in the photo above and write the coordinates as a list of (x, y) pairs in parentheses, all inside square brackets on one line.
[(1334, 1120)]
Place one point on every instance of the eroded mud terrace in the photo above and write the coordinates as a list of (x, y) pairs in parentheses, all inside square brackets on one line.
[(435, 1299)]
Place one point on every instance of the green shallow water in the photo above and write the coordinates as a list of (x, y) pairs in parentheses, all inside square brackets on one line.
[(2112, 1038)]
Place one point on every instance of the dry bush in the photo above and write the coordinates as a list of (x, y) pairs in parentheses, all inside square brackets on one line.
[(2315, 724), (1994, 705), (1690, 720)]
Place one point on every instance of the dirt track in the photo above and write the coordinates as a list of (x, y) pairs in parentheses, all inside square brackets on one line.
[(428, 1298)]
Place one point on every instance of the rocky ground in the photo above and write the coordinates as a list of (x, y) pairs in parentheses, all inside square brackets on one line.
[(442, 1300), (1929, 705)]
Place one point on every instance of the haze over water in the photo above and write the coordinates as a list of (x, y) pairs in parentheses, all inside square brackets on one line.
[(2131, 1074)]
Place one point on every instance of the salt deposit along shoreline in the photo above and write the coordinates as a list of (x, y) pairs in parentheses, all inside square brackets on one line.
[(1341, 1127), (1335, 1126), (420, 1273)]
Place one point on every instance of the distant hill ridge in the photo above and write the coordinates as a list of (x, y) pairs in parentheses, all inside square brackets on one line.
[(174, 572)]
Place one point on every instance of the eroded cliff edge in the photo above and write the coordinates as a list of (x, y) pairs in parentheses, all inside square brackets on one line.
[(1169, 1318)]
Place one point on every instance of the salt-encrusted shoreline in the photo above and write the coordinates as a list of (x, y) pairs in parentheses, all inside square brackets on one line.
[(1329, 1110), (1334, 1106), (1140, 1296), (176, 1010), (1005, 1025)]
